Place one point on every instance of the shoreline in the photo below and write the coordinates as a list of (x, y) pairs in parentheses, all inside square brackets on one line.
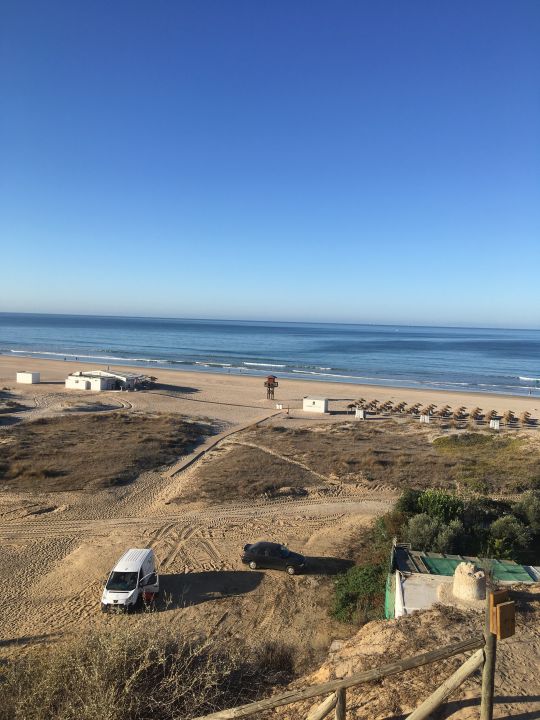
[(211, 393), (150, 367)]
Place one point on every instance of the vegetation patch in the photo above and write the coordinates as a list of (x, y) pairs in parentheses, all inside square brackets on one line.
[(9, 404), (129, 672), (359, 593), (437, 521), (240, 471), (79, 452), (404, 455)]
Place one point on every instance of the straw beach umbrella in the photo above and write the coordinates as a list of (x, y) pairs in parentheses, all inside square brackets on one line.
[(509, 417)]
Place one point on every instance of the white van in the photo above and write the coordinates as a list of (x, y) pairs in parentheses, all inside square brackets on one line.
[(133, 578)]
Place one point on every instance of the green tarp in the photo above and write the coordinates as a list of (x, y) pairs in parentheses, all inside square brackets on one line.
[(502, 570)]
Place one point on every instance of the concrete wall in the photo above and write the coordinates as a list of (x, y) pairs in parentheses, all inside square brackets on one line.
[(28, 378), (315, 405)]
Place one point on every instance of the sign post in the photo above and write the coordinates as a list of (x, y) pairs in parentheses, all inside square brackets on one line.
[(500, 624)]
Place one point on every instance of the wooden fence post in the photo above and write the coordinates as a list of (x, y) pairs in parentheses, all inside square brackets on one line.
[(490, 654), (322, 710), (448, 686), (341, 706)]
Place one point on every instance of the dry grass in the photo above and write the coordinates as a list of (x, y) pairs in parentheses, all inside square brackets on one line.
[(129, 672), (9, 403), (79, 452), (246, 472), (403, 454)]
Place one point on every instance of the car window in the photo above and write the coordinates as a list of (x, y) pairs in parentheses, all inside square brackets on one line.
[(122, 581)]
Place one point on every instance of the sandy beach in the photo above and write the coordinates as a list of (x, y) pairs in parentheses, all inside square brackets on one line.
[(63, 526), (237, 399)]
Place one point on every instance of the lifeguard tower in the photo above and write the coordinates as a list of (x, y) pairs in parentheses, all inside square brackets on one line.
[(270, 384)]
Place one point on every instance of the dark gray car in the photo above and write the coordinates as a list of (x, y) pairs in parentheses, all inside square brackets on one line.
[(273, 556)]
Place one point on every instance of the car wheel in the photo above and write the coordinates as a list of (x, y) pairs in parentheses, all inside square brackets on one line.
[(253, 565), (291, 570)]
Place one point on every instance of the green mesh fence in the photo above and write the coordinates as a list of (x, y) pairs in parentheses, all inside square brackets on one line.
[(390, 596)]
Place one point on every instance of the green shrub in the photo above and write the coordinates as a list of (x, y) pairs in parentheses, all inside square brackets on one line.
[(389, 526), (421, 531), (440, 505), (508, 537), (359, 593), (408, 501), (528, 509), (463, 440), (450, 538)]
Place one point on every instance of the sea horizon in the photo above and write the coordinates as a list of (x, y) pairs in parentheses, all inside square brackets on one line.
[(488, 360)]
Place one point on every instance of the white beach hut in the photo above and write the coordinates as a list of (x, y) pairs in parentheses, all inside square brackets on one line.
[(315, 404), (99, 380), (28, 378)]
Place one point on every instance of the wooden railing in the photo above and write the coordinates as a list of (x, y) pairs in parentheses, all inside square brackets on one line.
[(337, 688)]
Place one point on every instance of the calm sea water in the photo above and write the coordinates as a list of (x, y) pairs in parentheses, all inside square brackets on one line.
[(504, 361)]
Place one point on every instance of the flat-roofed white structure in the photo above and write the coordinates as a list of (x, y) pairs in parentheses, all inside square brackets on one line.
[(98, 380), (28, 378), (315, 404)]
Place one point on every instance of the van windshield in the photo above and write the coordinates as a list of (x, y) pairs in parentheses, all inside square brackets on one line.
[(122, 581)]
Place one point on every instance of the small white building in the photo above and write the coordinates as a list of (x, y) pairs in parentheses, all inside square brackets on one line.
[(99, 380), (315, 404), (28, 378)]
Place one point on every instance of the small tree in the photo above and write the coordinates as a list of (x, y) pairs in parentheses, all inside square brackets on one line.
[(528, 508), (408, 502), (508, 537), (450, 537), (440, 505), (422, 530)]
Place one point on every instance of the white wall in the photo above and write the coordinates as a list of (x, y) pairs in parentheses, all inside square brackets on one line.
[(315, 405), (28, 378), (80, 383)]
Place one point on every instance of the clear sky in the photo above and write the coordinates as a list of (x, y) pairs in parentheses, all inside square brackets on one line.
[(301, 160)]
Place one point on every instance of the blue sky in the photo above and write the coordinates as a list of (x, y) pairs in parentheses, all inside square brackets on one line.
[(335, 161)]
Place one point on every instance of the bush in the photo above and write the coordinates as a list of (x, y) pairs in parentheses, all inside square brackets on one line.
[(360, 593), (508, 537), (387, 527), (408, 501), (128, 672), (528, 509), (450, 538), (422, 530), (440, 505), (464, 440)]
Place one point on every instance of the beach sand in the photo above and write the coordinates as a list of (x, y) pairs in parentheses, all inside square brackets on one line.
[(237, 399)]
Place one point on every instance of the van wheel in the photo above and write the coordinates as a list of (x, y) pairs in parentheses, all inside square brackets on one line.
[(253, 565), (291, 570)]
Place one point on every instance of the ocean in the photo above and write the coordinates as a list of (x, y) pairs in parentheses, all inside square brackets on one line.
[(471, 359)]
